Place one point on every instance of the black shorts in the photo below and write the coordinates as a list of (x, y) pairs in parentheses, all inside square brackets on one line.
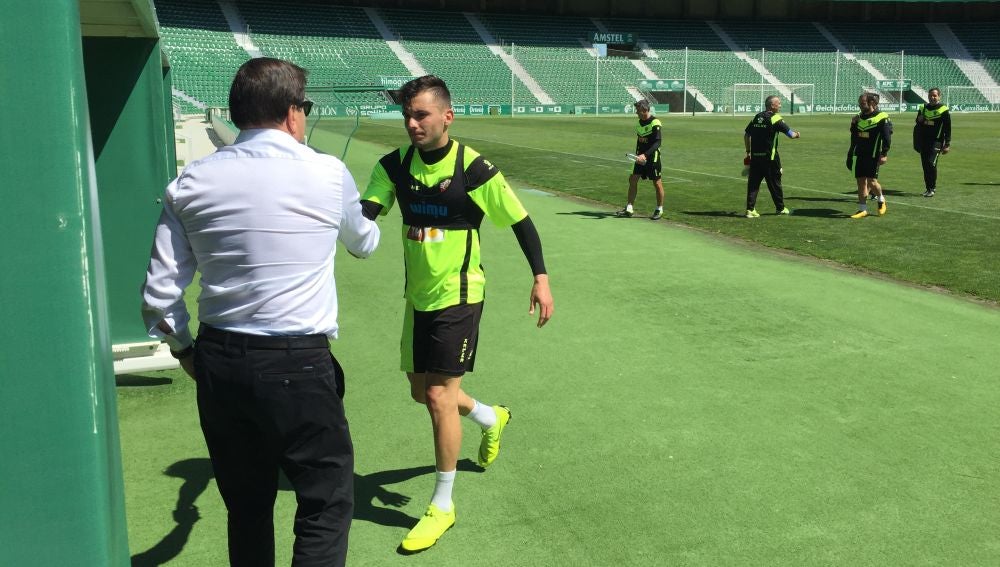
[(651, 170), (866, 166), (442, 341)]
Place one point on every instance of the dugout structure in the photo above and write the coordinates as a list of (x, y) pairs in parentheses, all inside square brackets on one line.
[(88, 150), (748, 98)]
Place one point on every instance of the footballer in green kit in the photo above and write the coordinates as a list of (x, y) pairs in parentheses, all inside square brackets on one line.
[(444, 190)]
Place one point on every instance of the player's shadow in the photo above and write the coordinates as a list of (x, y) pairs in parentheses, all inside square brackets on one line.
[(988, 184), (713, 213), (195, 473), (371, 487), (818, 213), (591, 214), (890, 192)]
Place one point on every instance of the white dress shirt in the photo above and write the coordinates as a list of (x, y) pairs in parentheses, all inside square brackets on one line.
[(259, 220)]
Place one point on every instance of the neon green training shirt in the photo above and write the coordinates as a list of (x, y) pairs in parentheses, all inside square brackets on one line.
[(443, 204)]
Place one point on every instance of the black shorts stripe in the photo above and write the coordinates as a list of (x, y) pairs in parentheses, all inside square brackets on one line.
[(463, 293)]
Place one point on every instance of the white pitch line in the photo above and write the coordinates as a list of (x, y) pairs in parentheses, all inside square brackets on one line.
[(730, 177)]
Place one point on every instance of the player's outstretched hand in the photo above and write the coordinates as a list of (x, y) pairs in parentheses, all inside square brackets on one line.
[(542, 297)]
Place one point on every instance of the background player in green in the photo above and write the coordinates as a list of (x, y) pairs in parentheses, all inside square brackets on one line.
[(760, 138), (932, 137), (444, 190), (871, 136), (647, 159)]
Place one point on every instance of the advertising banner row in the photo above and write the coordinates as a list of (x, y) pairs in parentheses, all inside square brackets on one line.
[(395, 111)]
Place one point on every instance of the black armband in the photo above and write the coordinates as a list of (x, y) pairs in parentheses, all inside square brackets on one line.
[(531, 244), (370, 209)]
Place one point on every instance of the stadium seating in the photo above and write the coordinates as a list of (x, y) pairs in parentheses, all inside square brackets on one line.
[(473, 73), (338, 45), (344, 52), (202, 52), (552, 50), (983, 44), (924, 62)]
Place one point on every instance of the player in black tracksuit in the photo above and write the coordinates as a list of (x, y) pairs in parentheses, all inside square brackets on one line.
[(932, 137), (647, 165), (871, 135), (760, 138)]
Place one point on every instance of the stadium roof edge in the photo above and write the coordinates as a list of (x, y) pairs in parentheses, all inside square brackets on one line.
[(118, 18)]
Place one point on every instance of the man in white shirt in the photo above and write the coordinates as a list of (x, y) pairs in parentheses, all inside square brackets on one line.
[(260, 221)]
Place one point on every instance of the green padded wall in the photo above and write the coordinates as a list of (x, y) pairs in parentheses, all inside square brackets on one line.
[(130, 127), (61, 494)]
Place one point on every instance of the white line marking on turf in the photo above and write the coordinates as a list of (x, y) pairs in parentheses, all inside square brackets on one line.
[(730, 177)]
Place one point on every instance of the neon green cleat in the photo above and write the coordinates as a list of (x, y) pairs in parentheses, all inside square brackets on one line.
[(784, 211), (429, 529), (752, 214), (489, 447)]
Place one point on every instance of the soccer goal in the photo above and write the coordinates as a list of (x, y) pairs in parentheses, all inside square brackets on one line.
[(972, 99), (748, 98)]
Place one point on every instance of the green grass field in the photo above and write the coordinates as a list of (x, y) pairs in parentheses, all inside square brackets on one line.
[(951, 241), (698, 399)]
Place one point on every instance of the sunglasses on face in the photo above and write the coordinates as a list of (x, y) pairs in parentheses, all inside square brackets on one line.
[(306, 105)]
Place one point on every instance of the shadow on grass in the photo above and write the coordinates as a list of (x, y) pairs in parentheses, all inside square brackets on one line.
[(714, 213), (371, 487), (819, 213), (889, 192), (136, 380), (823, 199), (196, 473), (591, 214)]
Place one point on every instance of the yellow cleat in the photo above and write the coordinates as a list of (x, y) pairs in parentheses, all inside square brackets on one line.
[(881, 208), (429, 529), (752, 214), (489, 447), (859, 215)]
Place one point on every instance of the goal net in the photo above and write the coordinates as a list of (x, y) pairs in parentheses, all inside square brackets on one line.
[(748, 98), (972, 99)]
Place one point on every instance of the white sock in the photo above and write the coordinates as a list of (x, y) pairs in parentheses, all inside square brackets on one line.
[(659, 209), (628, 207), (442, 490), (881, 198), (483, 415)]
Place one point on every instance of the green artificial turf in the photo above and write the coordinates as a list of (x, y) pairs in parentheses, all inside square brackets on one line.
[(696, 400)]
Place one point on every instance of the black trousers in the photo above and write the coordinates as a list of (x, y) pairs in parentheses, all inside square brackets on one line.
[(270, 403), (928, 160), (770, 172)]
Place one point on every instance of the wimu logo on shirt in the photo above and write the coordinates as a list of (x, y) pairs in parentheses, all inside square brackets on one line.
[(429, 209)]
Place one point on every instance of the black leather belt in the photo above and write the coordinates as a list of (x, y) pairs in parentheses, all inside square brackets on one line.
[(278, 342)]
